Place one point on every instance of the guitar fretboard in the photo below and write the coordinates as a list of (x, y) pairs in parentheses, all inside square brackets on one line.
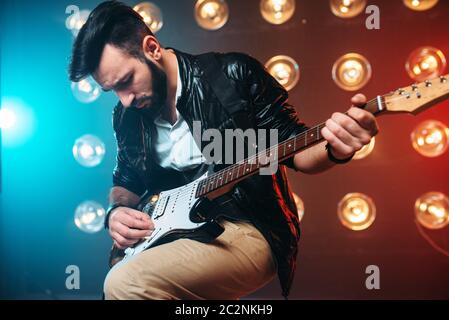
[(278, 152)]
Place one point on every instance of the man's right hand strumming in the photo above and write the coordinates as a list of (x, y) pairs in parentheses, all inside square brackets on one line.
[(127, 226)]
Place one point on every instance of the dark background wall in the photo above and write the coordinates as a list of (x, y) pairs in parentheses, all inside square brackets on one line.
[(42, 183)]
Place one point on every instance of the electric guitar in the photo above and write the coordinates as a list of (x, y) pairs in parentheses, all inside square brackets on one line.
[(182, 212)]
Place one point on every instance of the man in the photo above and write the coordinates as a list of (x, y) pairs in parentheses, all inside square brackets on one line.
[(162, 92)]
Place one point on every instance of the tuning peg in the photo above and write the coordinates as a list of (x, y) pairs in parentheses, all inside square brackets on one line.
[(428, 83), (401, 92), (443, 79), (414, 87)]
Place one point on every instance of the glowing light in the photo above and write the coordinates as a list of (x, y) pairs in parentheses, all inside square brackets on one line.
[(420, 5), (211, 14), (351, 71), (17, 122), (7, 118), (430, 138), (89, 216), (88, 150), (425, 63), (347, 8), (151, 14), (356, 211), (299, 206), (285, 70), (277, 11), (76, 21), (432, 210), (365, 151), (86, 90)]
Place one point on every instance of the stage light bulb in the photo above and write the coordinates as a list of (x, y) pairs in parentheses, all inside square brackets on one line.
[(425, 63), (299, 206), (420, 5), (351, 71), (430, 138), (366, 150), (211, 14), (76, 21), (151, 14), (89, 216), (277, 11), (285, 70), (7, 118), (347, 8), (88, 150), (356, 211), (432, 210), (86, 90)]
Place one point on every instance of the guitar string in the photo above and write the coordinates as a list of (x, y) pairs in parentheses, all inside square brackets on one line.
[(269, 150), (299, 137)]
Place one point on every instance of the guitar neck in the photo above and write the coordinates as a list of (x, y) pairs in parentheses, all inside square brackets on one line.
[(278, 152)]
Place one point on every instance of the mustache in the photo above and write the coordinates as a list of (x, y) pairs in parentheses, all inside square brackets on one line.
[(142, 102)]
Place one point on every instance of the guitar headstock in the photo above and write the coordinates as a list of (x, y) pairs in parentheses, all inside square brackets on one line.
[(419, 96)]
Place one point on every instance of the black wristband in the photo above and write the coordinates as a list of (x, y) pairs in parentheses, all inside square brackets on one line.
[(108, 213), (335, 160)]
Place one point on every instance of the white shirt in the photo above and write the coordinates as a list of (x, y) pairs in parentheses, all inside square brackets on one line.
[(173, 145)]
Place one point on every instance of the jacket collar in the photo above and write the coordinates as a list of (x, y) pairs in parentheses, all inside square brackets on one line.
[(186, 63)]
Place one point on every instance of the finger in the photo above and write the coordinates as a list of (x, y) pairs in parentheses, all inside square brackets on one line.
[(131, 234), (343, 135), (134, 223), (137, 214), (116, 244), (121, 241), (352, 127), (358, 100), (365, 119), (335, 143)]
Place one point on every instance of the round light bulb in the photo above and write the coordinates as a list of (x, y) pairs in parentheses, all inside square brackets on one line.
[(420, 5), (347, 8), (151, 14), (211, 14), (86, 90), (7, 118), (351, 71), (432, 210), (356, 211), (277, 11), (425, 63), (366, 150), (76, 21), (285, 70), (89, 150), (430, 138), (89, 216)]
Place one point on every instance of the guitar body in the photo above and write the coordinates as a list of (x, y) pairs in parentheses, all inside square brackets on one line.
[(176, 213)]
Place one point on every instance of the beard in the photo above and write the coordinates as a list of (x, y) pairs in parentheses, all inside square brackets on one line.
[(152, 105)]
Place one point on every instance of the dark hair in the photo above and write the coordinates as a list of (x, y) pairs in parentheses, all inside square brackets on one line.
[(111, 22)]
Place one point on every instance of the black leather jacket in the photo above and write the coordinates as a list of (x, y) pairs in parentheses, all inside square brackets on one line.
[(266, 199)]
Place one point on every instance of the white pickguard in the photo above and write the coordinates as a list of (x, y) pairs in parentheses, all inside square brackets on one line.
[(170, 214)]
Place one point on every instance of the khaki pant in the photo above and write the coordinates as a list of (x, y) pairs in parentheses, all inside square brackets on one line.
[(235, 264)]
